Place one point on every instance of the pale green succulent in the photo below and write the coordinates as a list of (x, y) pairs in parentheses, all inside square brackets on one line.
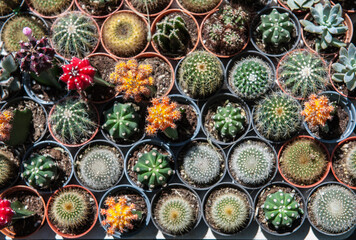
[(345, 68)]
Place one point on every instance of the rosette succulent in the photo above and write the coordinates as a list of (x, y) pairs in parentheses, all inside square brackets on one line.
[(301, 4), (345, 68)]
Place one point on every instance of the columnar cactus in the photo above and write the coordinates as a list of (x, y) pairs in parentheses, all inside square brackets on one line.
[(317, 110), (333, 208), (7, 169), (9, 81), (301, 4), (345, 68), (199, 6), (282, 210), (50, 7), (200, 74)]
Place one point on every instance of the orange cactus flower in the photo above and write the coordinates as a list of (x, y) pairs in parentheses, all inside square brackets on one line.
[(317, 110), (5, 125)]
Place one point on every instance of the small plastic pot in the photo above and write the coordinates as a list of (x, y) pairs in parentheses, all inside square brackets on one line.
[(115, 191), (257, 209), (129, 4), (221, 186), (12, 190), (348, 107), (79, 6), (17, 154), (198, 14), (12, 13), (29, 4)]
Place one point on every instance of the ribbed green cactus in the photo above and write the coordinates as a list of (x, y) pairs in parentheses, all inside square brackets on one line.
[(345, 68), (252, 162), (277, 117), (7, 169), (350, 158), (9, 81), (50, 7), (7, 6), (301, 4), (74, 34), (302, 73), (122, 120), (40, 171), (73, 121), (153, 169), (276, 28), (200, 74), (282, 209), (251, 77), (150, 6), (21, 124), (333, 208), (199, 6)]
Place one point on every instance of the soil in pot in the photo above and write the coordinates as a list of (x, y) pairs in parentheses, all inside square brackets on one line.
[(97, 8), (153, 6), (252, 5), (9, 165), (346, 4), (343, 165)]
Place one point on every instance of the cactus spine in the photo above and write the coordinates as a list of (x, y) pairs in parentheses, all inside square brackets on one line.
[(50, 7), (199, 6), (351, 162), (149, 6), (7, 169)]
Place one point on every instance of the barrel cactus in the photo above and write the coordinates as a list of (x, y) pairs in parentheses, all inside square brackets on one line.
[(50, 7), (199, 6), (345, 68), (9, 78), (301, 4), (7, 169)]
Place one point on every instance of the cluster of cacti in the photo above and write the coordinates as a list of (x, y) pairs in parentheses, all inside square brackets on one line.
[(7, 169), (122, 120), (302, 73), (132, 79), (199, 6), (229, 120), (73, 121), (281, 209), (125, 34), (7, 6), (252, 162), (50, 7), (161, 116), (172, 35), (333, 208), (74, 34), (277, 117), (350, 165), (345, 68), (119, 215), (149, 6), (12, 33), (99, 167), (276, 28), (301, 4), (200, 74), (6, 213), (317, 110), (251, 78), (327, 24), (9, 81), (303, 161), (153, 169)]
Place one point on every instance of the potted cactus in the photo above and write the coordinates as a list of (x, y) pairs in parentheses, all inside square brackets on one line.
[(10, 159), (200, 7), (49, 8), (10, 78), (331, 209), (7, 7), (298, 6), (99, 8), (98, 165), (150, 8)]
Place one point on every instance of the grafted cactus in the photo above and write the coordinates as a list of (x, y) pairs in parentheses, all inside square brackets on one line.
[(345, 68)]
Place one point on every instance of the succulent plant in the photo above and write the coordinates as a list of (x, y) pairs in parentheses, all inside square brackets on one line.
[(333, 208), (9, 81), (99, 167), (350, 165), (50, 7), (200, 74), (149, 6), (276, 28), (301, 4), (7, 169), (125, 34), (328, 23), (277, 117), (282, 209), (252, 162), (7, 6), (74, 34), (251, 78), (153, 169), (317, 111), (73, 121), (6, 213), (302, 73), (345, 68), (199, 6)]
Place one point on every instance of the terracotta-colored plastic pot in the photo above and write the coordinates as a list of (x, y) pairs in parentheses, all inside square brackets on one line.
[(198, 14), (346, 10), (11, 190), (160, 17), (28, 2), (340, 144), (327, 167), (129, 4), (216, 54), (73, 145), (53, 226), (77, 3)]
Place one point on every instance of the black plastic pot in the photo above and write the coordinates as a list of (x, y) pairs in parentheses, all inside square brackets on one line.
[(11, 14)]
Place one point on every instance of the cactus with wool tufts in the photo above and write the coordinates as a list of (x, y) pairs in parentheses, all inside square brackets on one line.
[(277, 117), (50, 7), (74, 34), (276, 28), (9, 81), (302, 73), (8, 6), (149, 6), (333, 208), (301, 4), (345, 68), (199, 6), (251, 78), (153, 169), (7, 169), (200, 74), (99, 167), (229, 120), (317, 111)]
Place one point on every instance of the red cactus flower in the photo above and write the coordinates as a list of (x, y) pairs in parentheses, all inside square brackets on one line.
[(78, 74), (6, 213)]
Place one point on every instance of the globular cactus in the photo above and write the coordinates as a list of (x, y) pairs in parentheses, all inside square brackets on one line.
[(345, 68), (251, 78), (50, 7), (74, 34), (122, 120), (277, 117), (333, 208), (99, 167), (281, 209), (125, 34), (252, 162), (172, 35), (350, 165), (7, 6), (317, 110), (301, 4), (149, 6), (200, 74), (40, 171), (153, 169), (73, 121), (9, 79), (7, 169), (6, 213), (303, 161), (199, 6), (229, 120), (302, 73), (276, 28)]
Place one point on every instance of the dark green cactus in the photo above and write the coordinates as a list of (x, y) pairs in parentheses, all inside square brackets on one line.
[(9, 82), (199, 6), (50, 7), (21, 124)]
